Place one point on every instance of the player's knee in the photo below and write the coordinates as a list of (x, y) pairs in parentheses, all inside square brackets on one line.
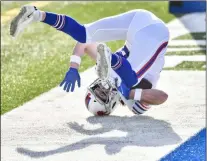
[(139, 108)]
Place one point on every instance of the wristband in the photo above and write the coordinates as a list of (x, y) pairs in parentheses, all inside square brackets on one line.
[(75, 59), (138, 94)]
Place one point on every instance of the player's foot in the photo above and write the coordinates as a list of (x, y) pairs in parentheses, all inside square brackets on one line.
[(27, 15), (103, 65)]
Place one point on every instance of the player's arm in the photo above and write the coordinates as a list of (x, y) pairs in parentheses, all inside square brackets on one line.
[(145, 96), (148, 96), (72, 76), (80, 49)]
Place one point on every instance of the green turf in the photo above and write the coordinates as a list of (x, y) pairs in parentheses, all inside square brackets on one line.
[(196, 36), (8, 5), (38, 60), (188, 65), (202, 52)]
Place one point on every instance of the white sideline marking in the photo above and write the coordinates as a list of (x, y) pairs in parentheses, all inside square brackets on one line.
[(174, 60), (42, 124), (187, 42)]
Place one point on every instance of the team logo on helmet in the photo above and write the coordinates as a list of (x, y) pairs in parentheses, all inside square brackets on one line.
[(87, 99)]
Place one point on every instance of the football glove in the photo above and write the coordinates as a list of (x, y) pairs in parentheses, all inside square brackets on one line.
[(70, 79)]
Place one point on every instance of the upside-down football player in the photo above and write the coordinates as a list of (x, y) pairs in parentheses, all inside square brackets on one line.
[(128, 75)]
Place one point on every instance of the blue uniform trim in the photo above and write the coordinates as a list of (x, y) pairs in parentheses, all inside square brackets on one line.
[(152, 60), (140, 107), (134, 109)]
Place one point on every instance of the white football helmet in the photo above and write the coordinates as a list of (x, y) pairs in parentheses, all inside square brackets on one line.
[(101, 98)]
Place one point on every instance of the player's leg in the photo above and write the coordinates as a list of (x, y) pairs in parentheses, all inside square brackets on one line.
[(106, 29), (66, 24), (149, 44)]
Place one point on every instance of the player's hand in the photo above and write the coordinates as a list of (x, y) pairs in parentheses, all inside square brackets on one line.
[(70, 79), (124, 90)]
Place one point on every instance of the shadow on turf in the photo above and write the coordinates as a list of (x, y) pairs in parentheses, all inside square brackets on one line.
[(142, 131)]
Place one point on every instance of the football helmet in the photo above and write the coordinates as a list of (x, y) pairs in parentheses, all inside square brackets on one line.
[(101, 97)]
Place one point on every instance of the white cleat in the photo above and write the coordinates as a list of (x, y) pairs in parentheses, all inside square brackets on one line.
[(26, 16), (103, 65)]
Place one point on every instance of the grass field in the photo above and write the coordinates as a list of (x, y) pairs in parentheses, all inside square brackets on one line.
[(8, 5), (37, 61), (189, 65)]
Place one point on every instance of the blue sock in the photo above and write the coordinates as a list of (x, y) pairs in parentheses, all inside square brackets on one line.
[(123, 68), (67, 25)]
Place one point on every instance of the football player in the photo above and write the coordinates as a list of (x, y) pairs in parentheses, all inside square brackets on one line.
[(141, 59)]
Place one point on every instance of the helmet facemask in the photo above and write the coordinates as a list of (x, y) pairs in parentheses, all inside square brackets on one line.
[(104, 93)]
